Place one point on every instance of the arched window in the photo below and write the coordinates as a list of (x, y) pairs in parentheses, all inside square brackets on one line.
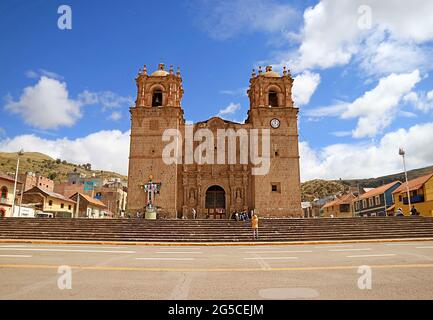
[(157, 98), (273, 99), (4, 193)]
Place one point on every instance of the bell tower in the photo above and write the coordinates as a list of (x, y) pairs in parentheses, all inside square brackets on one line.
[(272, 108), (157, 108)]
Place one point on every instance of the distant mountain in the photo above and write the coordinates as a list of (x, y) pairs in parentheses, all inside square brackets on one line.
[(376, 182), (313, 189), (56, 169)]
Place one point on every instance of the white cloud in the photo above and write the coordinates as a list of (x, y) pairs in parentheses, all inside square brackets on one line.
[(377, 108), (224, 19), (351, 161), (105, 150), (331, 36), (304, 86), (107, 99), (230, 109), (32, 74), (420, 100), (115, 116), (236, 92), (46, 105)]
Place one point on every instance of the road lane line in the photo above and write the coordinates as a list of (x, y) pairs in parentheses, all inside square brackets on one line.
[(266, 252), (372, 255), (14, 256), (334, 246), (354, 249), (271, 258), (166, 259), (65, 250), (141, 269), (179, 252)]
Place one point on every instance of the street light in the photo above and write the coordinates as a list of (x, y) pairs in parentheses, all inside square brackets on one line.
[(403, 153), (20, 153)]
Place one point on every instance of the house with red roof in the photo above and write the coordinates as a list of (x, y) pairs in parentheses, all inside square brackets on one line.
[(377, 201), (420, 193)]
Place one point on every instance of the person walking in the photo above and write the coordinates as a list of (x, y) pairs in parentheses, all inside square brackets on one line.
[(399, 212), (194, 213), (255, 226)]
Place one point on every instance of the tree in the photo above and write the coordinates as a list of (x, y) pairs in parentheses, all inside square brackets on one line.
[(52, 175), (58, 161)]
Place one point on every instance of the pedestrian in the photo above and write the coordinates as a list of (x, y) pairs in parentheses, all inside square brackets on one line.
[(255, 226), (413, 211), (194, 213), (399, 212)]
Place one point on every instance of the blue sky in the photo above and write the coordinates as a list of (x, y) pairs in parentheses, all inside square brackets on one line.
[(362, 74)]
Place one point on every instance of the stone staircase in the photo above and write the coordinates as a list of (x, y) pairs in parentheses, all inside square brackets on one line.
[(215, 230)]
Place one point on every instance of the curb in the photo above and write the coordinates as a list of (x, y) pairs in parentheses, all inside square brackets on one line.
[(209, 244)]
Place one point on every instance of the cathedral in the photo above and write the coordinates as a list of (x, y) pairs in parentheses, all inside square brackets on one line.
[(215, 189)]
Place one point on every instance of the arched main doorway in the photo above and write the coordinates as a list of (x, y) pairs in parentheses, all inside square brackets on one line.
[(215, 202)]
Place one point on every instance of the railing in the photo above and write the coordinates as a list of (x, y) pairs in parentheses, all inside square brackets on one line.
[(414, 199)]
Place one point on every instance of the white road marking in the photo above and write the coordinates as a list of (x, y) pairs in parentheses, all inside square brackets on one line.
[(64, 250), (14, 256), (401, 244), (371, 255), (167, 259), (265, 252), (354, 249), (271, 258), (179, 252), (425, 247), (335, 246)]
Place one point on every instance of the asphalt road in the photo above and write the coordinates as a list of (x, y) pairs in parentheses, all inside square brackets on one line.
[(402, 270)]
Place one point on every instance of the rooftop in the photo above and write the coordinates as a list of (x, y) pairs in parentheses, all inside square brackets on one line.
[(414, 184)]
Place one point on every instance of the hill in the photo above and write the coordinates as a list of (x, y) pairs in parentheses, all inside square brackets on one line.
[(313, 189), (376, 182), (321, 188), (56, 169)]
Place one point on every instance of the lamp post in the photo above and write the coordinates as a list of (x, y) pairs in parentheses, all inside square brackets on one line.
[(403, 153), (20, 153)]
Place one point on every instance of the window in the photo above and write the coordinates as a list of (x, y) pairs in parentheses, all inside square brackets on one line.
[(157, 98), (356, 206), (400, 198), (50, 203), (276, 187), (4, 193), (273, 99), (62, 205), (69, 207), (377, 200), (364, 203), (370, 202)]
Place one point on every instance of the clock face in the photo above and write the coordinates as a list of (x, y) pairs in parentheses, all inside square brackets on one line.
[(275, 123)]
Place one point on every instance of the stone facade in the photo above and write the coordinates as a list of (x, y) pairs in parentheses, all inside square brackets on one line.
[(216, 187)]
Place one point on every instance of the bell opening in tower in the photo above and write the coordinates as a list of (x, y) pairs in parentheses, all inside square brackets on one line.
[(157, 98), (273, 99)]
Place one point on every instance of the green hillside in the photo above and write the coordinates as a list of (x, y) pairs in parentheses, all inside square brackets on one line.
[(56, 169)]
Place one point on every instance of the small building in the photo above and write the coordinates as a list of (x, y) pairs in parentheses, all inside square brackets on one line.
[(339, 207), (114, 196), (68, 189), (376, 201), (49, 202), (88, 207), (421, 195), (31, 179), (7, 195)]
